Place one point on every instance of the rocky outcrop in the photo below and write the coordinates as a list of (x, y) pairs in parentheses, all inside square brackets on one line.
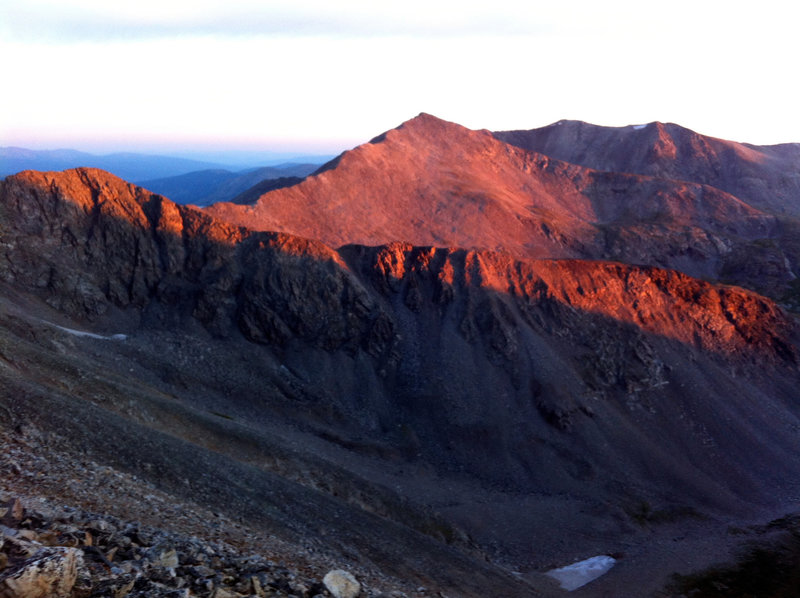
[(65, 552), (90, 242), (46, 573), (726, 320)]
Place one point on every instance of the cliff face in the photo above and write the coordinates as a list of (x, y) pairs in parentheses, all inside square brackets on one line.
[(91, 242)]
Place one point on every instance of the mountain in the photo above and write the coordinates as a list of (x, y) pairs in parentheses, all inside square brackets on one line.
[(157, 170), (205, 187), (765, 177), (127, 165), (431, 182), (433, 416), (240, 160), (428, 183)]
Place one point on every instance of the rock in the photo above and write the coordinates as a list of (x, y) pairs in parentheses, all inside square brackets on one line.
[(257, 589), (12, 512), (28, 535), (123, 586), (168, 559), (50, 573), (341, 584)]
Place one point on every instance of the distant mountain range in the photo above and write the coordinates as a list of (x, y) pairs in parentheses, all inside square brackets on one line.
[(205, 187), (134, 167)]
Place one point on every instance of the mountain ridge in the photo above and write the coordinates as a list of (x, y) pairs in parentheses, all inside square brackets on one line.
[(430, 182), (206, 187), (84, 186), (672, 151), (130, 166)]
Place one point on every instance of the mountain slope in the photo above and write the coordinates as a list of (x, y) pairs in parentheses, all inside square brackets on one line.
[(457, 401), (430, 182), (766, 177)]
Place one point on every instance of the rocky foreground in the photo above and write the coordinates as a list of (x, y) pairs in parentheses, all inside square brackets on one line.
[(52, 550)]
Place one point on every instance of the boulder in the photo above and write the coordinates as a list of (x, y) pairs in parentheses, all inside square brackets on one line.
[(341, 584)]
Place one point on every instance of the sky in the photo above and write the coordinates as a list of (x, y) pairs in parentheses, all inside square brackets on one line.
[(319, 76)]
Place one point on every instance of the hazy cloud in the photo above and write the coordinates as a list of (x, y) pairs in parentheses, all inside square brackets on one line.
[(88, 20), (55, 21)]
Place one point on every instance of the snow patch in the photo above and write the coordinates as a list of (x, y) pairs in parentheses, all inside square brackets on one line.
[(638, 127), (579, 574), (113, 337)]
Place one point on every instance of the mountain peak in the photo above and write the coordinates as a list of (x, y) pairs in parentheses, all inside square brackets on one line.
[(423, 124), (425, 119)]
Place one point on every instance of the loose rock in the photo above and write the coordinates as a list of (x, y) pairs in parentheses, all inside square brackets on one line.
[(341, 584)]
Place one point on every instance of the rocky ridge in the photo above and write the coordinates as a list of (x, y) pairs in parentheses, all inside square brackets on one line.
[(90, 242), (762, 178)]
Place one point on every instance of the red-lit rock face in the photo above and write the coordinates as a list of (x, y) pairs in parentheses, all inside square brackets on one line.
[(723, 320), (88, 239), (430, 182)]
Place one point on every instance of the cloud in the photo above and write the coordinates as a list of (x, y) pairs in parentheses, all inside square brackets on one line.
[(67, 21), (90, 20)]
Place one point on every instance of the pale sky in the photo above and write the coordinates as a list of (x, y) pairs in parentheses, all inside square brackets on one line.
[(322, 76)]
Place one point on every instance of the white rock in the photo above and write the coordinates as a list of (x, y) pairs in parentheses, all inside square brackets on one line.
[(51, 573), (168, 559), (341, 584)]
